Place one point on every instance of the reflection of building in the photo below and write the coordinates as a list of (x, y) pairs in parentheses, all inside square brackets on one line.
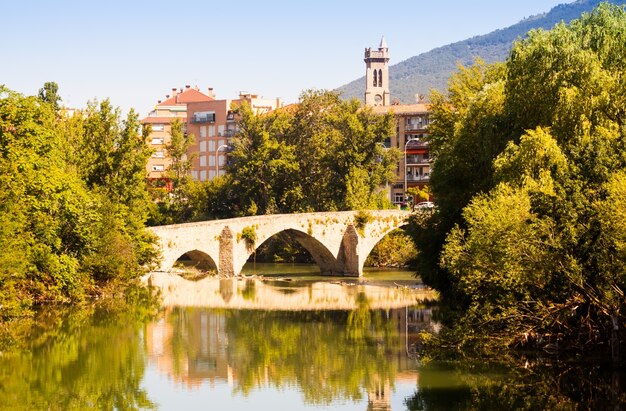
[(201, 356), (198, 345), (379, 397)]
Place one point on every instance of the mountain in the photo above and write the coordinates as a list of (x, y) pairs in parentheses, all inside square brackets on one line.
[(431, 70)]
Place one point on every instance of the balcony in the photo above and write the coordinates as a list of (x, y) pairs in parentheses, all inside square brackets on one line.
[(419, 178), (415, 127), (417, 160)]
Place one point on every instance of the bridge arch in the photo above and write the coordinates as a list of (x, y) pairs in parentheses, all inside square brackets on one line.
[(197, 259), (322, 256), (373, 239), (368, 246)]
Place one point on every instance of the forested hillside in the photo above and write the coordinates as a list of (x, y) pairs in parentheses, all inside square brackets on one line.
[(431, 70)]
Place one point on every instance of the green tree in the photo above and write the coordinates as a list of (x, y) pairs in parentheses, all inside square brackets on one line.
[(69, 226), (179, 172), (322, 154), (528, 230), (50, 94), (264, 167)]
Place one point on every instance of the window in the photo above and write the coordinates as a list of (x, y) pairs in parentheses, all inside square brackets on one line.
[(220, 130), (204, 117), (398, 197), (194, 174), (221, 160), (202, 161), (203, 175), (211, 145), (203, 132), (211, 174), (211, 131), (230, 116), (158, 167), (159, 154), (203, 146), (157, 141), (375, 78), (212, 161), (380, 78), (158, 127)]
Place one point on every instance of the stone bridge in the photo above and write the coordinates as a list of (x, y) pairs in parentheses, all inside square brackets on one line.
[(339, 242)]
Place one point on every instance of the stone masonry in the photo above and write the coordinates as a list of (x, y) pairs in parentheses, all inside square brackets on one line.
[(339, 242)]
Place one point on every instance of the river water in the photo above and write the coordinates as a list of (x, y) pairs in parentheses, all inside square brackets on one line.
[(280, 338)]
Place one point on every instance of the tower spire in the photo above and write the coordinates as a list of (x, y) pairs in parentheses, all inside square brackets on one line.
[(383, 43)]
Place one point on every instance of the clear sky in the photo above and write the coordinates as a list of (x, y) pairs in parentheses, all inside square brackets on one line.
[(135, 51)]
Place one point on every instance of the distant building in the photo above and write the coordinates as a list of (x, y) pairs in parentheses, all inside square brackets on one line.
[(212, 123), (165, 112), (413, 169)]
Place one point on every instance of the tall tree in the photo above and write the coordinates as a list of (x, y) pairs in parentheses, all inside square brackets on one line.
[(534, 247), (322, 154), (50, 94)]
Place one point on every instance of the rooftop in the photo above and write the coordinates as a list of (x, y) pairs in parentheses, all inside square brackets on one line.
[(418, 108)]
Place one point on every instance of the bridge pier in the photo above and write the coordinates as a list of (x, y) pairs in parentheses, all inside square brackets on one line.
[(226, 264), (348, 263)]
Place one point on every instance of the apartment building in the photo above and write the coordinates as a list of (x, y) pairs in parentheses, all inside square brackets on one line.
[(413, 169), (165, 112), (214, 124)]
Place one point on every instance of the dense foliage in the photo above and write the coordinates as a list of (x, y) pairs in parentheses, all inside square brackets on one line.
[(323, 154), (73, 201), (528, 244)]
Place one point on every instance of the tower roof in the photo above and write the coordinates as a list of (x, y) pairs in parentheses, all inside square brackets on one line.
[(383, 43)]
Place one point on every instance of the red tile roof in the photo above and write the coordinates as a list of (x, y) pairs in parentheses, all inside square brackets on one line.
[(188, 95)]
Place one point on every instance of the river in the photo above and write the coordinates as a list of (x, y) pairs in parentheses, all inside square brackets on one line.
[(280, 338)]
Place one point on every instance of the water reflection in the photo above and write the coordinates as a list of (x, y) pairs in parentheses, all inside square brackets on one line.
[(328, 355), (280, 294), (255, 358), (76, 359)]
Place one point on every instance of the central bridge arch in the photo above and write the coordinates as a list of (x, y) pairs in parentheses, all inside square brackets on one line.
[(339, 242)]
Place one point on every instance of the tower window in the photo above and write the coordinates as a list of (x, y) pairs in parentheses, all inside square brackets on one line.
[(375, 78), (380, 78)]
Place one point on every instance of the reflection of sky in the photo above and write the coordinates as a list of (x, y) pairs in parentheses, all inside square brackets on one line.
[(169, 395)]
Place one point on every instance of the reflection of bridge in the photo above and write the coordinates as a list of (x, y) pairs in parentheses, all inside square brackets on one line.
[(257, 294), (339, 242)]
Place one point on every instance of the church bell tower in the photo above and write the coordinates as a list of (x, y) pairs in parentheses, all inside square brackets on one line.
[(377, 75)]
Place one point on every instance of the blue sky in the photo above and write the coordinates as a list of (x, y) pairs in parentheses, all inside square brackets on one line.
[(135, 51)]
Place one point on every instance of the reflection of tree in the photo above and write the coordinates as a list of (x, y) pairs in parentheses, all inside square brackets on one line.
[(312, 349), (78, 359), (470, 386)]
